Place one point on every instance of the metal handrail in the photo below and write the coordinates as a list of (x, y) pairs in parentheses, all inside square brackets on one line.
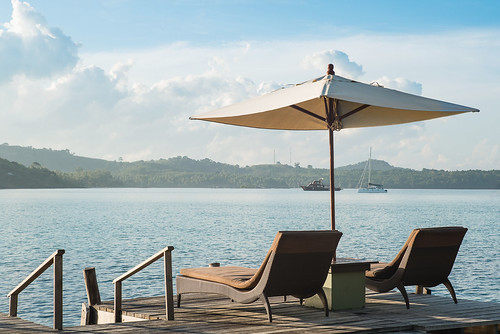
[(166, 253), (56, 259)]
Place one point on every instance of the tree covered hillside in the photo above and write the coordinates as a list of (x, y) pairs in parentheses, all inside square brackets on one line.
[(56, 160), (189, 173), (184, 172), (16, 176)]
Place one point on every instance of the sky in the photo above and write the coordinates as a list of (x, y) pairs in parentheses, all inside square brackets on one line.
[(119, 79)]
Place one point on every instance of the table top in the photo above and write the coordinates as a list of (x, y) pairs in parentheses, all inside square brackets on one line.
[(343, 265)]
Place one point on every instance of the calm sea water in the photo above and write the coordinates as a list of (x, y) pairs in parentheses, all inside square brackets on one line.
[(115, 229)]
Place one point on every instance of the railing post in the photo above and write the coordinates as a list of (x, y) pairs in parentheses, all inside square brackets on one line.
[(58, 291), (56, 260), (13, 305), (169, 289), (118, 301)]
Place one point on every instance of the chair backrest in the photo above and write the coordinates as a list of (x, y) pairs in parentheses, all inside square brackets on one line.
[(301, 261), (391, 269), (430, 255)]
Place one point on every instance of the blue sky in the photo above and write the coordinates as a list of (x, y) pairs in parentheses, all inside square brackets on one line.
[(111, 79), (104, 25)]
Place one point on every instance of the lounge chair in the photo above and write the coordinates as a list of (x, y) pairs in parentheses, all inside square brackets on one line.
[(425, 260), (297, 264)]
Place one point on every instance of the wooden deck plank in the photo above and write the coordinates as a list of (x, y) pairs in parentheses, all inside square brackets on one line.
[(16, 325), (291, 317), (221, 315), (437, 313), (212, 314), (427, 312)]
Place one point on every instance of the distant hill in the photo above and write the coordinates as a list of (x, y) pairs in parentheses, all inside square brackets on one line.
[(71, 170), (65, 161), (376, 165), (16, 176), (62, 160)]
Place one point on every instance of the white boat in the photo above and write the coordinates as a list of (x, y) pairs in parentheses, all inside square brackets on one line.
[(371, 188)]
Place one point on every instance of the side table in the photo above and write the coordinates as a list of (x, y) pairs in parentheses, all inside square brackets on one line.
[(344, 286)]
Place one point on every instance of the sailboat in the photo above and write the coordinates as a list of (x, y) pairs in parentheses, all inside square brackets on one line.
[(371, 188)]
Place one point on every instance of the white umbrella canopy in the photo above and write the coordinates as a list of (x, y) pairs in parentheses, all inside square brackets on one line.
[(303, 107), (332, 103)]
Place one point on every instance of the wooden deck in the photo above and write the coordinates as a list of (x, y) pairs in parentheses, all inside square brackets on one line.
[(211, 314), (16, 325)]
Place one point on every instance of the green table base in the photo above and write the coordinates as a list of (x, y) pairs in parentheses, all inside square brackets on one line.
[(344, 287)]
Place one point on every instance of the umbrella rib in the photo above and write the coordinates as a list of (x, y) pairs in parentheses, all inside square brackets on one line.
[(352, 112), (305, 111)]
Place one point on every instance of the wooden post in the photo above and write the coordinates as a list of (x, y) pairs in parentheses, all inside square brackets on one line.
[(93, 295), (332, 179), (169, 289), (58, 291), (85, 316), (420, 290), (13, 305), (118, 301), (90, 278), (331, 118)]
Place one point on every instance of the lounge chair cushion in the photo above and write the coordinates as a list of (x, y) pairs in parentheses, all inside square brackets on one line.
[(380, 271), (237, 277)]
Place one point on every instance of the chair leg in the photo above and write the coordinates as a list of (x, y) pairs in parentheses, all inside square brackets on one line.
[(402, 289), (448, 285), (178, 300), (265, 300), (322, 296)]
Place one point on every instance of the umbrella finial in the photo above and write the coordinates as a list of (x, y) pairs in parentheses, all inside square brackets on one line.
[(330, 70)]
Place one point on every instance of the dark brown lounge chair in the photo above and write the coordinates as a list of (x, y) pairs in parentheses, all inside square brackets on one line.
[(297, 264), (425, 260)]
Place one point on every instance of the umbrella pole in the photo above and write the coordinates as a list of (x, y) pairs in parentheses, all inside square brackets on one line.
[(332, 184), (331, 118)]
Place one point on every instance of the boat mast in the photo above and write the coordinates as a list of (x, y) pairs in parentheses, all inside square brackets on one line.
[(370, 168)]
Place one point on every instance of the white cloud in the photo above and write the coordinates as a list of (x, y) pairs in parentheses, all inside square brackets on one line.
[(342, 65), (136, 105), (401, 84), (29, 47), (26, 21)]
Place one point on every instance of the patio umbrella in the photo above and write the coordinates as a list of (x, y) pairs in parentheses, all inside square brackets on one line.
[(332, 103)]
